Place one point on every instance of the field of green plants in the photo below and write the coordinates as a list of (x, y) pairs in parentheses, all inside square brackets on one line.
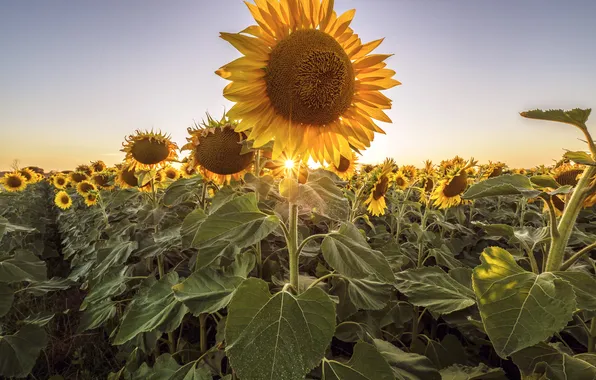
[(296, 273)]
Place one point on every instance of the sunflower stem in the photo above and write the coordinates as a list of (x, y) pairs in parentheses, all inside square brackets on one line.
[(162, 273), (567, 223), (259, 251), (292, 242), (204, 195), (203, 332), (577, 256)]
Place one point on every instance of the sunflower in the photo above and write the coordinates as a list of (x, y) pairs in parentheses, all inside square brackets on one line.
[(60, 181), (102, 180), (147, 150), (401, 180), (63, 200), (447, 165), (85, 187), (171, 173), (567, 174), (77, 177), (84, 169), (376, 200), (126, 178), (217, 150), (187, 170), (367, 168), (28, 174), (448, 191), (14, 182), (98, 166), (409, 171), (521, 171), (427, 183), (306, 81), (346, 168), (91, 199), (494, 169), (429, 168)]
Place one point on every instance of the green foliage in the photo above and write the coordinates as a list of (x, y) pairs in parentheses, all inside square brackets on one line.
[(19, 351), (577, 116)]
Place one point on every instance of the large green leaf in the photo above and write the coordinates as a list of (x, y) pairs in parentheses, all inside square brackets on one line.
[(112, 284), (406, 365), (19, 352), (153, 308), (52, 285), (576, 116), (113, 256), (321, 195), (366, 364), (556, 365), (580, 158), (191, 371), (434, 289), (509, 184), (519, 308), (6, 226), (96, 315), (23, 266), (6, 298), (277, 337), (368, 294), (349, 254), (584, 285), (544, 180), (181, 191), (190, 226), (209, 289), (237, 224)]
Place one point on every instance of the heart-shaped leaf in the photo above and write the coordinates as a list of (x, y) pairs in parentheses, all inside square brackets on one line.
[(22, 266), (19, 352), (366, 364), (509, 184), (277, 337), (519, 308)]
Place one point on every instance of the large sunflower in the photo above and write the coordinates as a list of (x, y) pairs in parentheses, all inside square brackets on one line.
[(217, 150), (14, 182), (147, 150), (346, 168), (376, 200), (98, 166), (63, 200), (306, 81)]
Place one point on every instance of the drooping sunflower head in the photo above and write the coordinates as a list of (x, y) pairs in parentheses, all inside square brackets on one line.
[(409, 171), (85, 187), (103, 180), (216, 148), (346, 168), (126, 178), (84, 169), (306, 81), (376, 200), (568, 174), (98, 166), (147, 150), (77, 177), (63, 200), (60, 181), (494, 169), (14, 182)]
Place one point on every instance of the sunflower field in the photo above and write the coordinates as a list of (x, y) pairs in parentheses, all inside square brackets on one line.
[(263, 250)]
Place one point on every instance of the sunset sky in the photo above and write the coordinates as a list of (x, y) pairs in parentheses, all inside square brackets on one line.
[(77, 76)]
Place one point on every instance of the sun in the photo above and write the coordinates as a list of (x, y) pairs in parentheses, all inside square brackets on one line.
[(306, 81), (289, 164)]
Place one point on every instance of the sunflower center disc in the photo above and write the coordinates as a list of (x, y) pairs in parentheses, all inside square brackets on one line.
[(310, 78), (13, 182), (344, 164), (150, 152), (128, 176), (219, 152), (568, 177), (64, 199), (381, 188), (457, 185)]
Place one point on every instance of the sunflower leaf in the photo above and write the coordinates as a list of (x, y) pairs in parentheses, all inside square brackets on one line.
[(509, 184), (544, 181), (6, 298), (22, 266), (434, 289), (366, 363), (545, 359), (576, 116), (277, 337), (580, 158), (583, 287), (18, 352), (407, 365), (519, 308)]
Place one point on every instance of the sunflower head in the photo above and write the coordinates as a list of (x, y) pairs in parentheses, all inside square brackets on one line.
[(126, 178), (346, 168), (567, 174), (91, 199), (448, 191), (306, 81), (494, 169), (60, 181), (63, 200), (86, 187), (171, 173), (103, 180), (84, 169), (409, 171), (14, 182), (429, 168), (216, 148), (401, 180), (187, 170), (28, 174), (147, 150), (77, 177), (376, 200), (98, 166)]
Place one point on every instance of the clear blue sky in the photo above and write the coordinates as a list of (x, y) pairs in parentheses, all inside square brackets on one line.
[(77, 76)]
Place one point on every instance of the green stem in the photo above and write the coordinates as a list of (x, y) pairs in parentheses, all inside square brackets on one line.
[(323, 278), (533, 262), (292, 242), (203, 332), (592, 335), (204, 195), (309, 238), (162, 273), (577, 256), (415, 321), (567, 222), (552, 223)]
